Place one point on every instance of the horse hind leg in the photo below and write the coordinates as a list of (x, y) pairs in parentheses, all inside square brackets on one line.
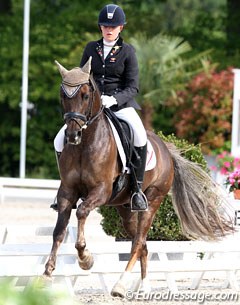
[(144, 285), (139, 250), (126, 281), (129, 221)]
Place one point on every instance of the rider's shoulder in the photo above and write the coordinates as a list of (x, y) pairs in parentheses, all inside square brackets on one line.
[(93, 43)]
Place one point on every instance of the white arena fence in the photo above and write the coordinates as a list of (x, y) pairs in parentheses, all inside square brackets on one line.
[(23, 262), (219, 257), (25, 187)]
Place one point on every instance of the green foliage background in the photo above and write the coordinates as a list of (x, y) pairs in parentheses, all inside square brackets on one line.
[(59, 30)]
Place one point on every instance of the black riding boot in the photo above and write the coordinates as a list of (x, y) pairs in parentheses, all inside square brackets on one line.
[(138, 200), (54, 205)]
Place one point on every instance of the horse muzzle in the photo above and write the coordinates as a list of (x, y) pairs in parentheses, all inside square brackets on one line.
[(73, 137)]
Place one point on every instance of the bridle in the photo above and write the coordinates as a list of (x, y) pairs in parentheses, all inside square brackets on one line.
[(72, 82), (87, 118)]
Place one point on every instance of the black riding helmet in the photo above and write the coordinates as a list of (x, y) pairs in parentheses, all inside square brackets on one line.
[(111, 15)]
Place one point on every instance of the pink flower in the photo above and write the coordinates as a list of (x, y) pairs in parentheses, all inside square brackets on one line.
[(233, 180), (227, 164), (213, 168), (223, 171)]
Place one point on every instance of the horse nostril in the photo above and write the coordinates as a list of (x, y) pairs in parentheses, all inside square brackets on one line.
[(77, 135)]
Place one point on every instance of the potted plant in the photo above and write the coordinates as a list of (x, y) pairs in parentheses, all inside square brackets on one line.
[(233, 181), (226, 162)]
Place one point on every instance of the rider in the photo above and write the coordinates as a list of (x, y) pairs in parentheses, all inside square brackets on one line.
[(115, 70)]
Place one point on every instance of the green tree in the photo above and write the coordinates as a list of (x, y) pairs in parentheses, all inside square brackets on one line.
[(56, 34), (5, 6), (59, 30), (233, 26), (162, 69)]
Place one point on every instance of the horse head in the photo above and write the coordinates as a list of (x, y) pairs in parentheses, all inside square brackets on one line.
[(80, 100)]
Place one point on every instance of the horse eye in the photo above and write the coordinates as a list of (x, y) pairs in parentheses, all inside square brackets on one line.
[(86, 96)]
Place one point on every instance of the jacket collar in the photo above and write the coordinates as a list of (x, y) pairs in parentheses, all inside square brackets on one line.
[(115, 49)]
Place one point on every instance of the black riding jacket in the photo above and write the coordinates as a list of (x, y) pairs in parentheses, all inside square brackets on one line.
[(117, 75)]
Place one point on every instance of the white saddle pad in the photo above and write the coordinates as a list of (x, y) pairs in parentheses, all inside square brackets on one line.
[(151, 156)]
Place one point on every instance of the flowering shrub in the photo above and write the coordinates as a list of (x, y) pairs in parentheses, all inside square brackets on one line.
[(204, 109), (227, 163), (233, 180)]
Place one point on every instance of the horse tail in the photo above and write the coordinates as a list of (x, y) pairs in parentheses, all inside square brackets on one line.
[(198, 201)]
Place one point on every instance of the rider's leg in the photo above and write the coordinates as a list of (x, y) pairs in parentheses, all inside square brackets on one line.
[(138, 200), (58, 146)]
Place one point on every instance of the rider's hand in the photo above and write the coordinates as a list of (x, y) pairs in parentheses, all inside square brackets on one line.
[(108, 101)]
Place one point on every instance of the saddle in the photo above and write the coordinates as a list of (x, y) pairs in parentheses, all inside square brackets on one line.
[(126, 136)]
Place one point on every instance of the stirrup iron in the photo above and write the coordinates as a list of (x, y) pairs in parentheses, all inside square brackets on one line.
[(142, 204)]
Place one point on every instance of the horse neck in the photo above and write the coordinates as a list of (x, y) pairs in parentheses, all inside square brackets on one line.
[(96, 102), (98, 131)]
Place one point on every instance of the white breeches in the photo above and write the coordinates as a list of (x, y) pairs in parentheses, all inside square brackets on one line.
[(127, 114), (131, 116)]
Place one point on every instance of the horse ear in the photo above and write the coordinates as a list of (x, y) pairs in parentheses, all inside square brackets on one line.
[(61, 69), (87, 67)]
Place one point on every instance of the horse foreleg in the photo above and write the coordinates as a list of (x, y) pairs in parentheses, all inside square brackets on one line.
[(97, 197), (85, 258), (58, 237)]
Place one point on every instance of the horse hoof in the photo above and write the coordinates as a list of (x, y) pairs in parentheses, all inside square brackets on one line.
[(45, 277), (145, 286), (135, 284), (44, 281), (87, 262), (118, 291)]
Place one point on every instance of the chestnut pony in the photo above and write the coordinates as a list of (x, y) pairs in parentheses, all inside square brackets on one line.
[(89, 165)]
